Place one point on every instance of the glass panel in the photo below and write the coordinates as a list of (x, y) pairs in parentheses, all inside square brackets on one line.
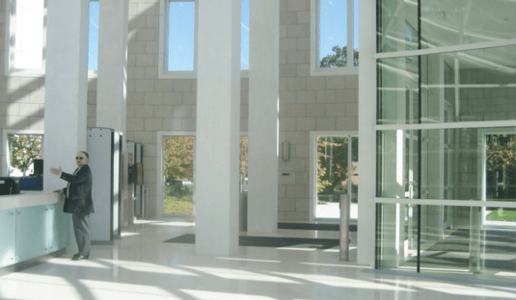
[(453, 240), (459, 164), (476, 85), (333, 35), (178, 188), (398, 25), (93, 38), (355, 31), (31, 232), (443, 23), (60, 227), (244, 35), (396, 236), (7, 222), (462, 244), (181, 32)]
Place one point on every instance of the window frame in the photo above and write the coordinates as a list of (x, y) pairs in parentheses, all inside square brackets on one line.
[(93, 74), (315, 70), (10, 49), (10, 32), (163, 73)]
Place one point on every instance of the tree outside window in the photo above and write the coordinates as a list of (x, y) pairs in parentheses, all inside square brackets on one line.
[(24, 149)]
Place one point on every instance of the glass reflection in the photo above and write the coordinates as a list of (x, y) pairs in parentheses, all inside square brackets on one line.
[(453, 239), (443, 23), (455, 164), (476, 85)]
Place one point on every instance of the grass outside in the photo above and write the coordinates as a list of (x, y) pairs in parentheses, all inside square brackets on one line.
[(504, 215), (178, 205)]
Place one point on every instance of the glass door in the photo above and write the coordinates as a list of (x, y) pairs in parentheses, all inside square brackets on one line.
[(178, 155), (336, 175)]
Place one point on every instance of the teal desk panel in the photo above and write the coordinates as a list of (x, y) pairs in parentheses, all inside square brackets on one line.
[(59, 228), (7, 231), (31, 232)]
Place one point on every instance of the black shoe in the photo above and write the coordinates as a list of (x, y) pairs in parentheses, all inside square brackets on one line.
[(79, 257)]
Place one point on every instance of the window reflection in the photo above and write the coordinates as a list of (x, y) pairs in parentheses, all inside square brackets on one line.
[(476, 85)]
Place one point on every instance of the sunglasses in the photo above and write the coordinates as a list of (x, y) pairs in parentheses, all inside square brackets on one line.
[(79, 158)]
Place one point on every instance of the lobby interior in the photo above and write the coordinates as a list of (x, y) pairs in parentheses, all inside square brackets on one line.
[(427, 115)]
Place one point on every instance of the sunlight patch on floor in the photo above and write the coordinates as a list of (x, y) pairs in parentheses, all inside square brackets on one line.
[(341, 281), (116, 290), (249, 260), (148, 267), (240, 275), (207, 295)]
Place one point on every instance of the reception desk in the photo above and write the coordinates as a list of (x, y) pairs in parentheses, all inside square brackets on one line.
[(32, 225)]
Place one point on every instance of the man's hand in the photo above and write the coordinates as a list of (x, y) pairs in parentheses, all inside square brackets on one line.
[(56, 171)]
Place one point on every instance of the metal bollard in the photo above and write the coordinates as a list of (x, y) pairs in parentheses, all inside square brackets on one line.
[(344, 227)]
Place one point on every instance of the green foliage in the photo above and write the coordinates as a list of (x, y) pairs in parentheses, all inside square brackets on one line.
[(178, 205), (24, 150), (501, 166), (501, 151), (339, 58), (179, 154), (332, 159), (177, 189), (244, 156), (502, 215)]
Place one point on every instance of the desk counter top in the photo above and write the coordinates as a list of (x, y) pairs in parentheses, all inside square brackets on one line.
[(28, 199)]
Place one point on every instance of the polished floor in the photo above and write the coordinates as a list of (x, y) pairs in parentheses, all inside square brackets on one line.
[(141, 266)]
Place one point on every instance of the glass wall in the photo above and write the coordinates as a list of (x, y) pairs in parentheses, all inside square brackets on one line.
[(474, 85), (451, 164), (446, 137), (442, 23), (444, 239)]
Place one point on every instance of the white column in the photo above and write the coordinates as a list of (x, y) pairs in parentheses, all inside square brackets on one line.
[(112, 86), (367, 134), (112, 78), (218, 127), (66, 84), (263, 116)]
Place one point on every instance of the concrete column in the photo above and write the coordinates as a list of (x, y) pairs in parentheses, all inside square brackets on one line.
[(218, 127), (263, 116), (112, 83), (66, 85)]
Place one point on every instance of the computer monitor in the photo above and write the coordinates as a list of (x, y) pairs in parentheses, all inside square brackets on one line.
[(38, 167), (9, 185)]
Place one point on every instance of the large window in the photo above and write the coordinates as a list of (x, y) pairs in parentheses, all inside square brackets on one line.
[(93, 38), (178, 22), (25, 45), (26, 37), (334, 37)]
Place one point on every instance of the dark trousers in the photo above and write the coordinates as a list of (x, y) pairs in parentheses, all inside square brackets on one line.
[(82, 233)]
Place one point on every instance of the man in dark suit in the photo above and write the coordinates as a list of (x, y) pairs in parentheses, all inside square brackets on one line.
[(78, 202)]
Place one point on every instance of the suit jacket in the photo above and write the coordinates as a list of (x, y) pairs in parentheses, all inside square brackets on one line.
[(78, 199)]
